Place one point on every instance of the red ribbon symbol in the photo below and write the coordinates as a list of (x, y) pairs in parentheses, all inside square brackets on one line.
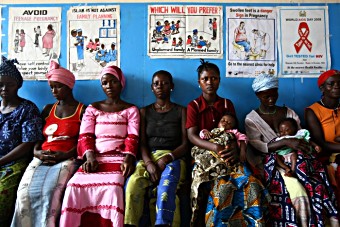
[(303, 38)]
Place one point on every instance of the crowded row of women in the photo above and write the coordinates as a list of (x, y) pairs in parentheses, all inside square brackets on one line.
[(111, 164)]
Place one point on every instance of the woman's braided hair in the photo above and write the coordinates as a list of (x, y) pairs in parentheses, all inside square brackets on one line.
[(205, 65)]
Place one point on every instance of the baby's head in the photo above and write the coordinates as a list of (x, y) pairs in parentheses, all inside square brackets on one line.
[(228, 121), (288, 127)]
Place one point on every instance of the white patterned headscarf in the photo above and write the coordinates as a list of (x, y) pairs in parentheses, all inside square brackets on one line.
[(264, 82)]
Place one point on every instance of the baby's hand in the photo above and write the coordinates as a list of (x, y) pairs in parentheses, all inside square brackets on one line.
[(205, 134), (318, 149)]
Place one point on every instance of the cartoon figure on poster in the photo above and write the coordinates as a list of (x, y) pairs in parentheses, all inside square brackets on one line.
[(22, 39), (109, 56), (80, 47), (204, 34), (261, 43), (73, 50), (241, 45), (34, 41), (167, 34), (93, 45), (16, 40), (96, 46), (47, 39), (214, 28), (198, 41), (253, 45), (100, 55), (37, 31)]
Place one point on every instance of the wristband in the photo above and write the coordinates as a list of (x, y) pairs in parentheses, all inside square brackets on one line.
[(161, 161), (172, 156)]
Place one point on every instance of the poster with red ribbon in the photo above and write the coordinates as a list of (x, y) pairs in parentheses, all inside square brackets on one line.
[(303, 41)]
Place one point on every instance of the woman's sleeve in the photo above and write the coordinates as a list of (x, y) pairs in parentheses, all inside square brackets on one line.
[(131, 141), (192, 118), (31, 124), (86, 141), (255, 137)]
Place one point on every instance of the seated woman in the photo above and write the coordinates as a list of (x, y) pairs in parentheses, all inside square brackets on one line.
[(20, 129), (235, 199), (301, 201), (108, 143), (42, 186), (100, 55), (163, 147), (324, 123)]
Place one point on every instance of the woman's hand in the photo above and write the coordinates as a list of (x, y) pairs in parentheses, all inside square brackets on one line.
[(162, 162), (230, 153), (48, 157), (298, 144), (243, 156), (289, 173), (153, 171), (128, 166), (91, 164)]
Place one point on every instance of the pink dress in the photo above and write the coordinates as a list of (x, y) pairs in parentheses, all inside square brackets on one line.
[(47, 39), (240, 34), (92, 199), (22, 40)]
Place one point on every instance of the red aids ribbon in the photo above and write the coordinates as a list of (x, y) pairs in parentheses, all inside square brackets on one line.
[(303, 38)]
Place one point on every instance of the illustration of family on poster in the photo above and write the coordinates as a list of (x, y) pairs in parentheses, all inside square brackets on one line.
[(178, 31), (34, 39), (251, 41), (93, 39)]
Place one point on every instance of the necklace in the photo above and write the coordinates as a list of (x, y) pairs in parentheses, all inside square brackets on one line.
[(263, 112), (330, 108), (334, 109), (161, 107)]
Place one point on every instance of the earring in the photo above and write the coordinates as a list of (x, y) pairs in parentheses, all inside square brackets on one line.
[(171, 89), (199, 86)]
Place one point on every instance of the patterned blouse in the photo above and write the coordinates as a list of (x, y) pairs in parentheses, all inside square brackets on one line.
[(23, 124)]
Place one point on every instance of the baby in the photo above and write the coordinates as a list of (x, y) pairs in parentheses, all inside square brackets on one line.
[(288, 128), (228, 124), (208, 164)]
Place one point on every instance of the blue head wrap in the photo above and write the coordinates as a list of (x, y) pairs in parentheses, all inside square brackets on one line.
[(8, 68), (265, 82)]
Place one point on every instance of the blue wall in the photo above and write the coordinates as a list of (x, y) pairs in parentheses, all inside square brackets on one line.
[(138, 68)]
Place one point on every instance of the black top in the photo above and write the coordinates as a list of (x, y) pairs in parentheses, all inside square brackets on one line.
[(163, 130)]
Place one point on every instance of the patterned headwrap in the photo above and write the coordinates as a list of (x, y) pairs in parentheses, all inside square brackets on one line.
[(324, 76), (264, 82), (8, 68), (59, 74), (115, 71)]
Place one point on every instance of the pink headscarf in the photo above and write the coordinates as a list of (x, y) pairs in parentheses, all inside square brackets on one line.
[(324, 76), (115, 71), (59, 74)]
